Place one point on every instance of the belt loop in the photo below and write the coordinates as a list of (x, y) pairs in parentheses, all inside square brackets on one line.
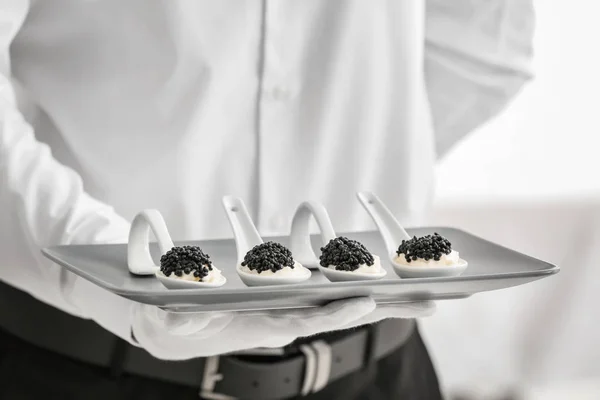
[(310, 368), (369, 356), (323, 350), (118, 358)]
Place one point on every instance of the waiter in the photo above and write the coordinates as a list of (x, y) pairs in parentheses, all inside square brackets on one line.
[(110, 107)]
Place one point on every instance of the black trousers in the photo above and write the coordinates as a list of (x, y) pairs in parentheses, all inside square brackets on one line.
[(28, 372)]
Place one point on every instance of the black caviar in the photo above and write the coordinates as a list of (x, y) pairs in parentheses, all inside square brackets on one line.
[(430, 247), (269, 256), (345, 254), (186, 260)]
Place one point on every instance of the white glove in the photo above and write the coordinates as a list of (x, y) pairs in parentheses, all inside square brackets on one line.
[(183, 336)]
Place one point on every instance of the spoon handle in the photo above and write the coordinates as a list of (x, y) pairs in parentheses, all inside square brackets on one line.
[(246, 235), (300, 244), (139, 260), (390, 229)]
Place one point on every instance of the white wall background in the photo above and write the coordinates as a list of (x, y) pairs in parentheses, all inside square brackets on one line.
[(547, 143), (530, 179)]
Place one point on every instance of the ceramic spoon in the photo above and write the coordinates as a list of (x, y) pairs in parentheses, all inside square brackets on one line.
[(301, 245), (392, 233), (246, 237), (139, 260)]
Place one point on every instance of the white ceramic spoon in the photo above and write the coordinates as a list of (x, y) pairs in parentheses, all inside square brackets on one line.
[(392, 233), (246, 237), (302, 248), (139, 260)]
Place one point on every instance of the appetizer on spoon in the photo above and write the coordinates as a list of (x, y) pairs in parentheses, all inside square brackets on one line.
[(186, 267), (259, 263), (341, 259), (417, 257)]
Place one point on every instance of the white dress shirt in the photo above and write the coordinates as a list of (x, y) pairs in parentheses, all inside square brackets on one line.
[(173, 104)]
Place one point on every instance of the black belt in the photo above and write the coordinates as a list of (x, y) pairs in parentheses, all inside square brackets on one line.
[(222, 377)]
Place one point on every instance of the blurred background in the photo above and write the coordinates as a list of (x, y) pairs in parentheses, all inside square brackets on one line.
[(528, 180)]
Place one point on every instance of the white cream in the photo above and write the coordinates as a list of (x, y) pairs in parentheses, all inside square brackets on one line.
[(285, 271), (446, 260), (213, 276), (366, 269)]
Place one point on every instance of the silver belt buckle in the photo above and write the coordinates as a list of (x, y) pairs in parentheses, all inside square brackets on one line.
[(316, 375), (210, 378)]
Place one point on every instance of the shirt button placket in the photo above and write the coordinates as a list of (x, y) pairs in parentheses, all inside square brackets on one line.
[(274, 97)]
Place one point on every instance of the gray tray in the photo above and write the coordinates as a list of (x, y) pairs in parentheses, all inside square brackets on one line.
[(491, 267)]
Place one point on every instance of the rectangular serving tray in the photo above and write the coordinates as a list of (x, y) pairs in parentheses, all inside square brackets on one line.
[(491, 267)]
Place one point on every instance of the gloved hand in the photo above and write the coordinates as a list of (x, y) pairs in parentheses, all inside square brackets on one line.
[(182, 336)]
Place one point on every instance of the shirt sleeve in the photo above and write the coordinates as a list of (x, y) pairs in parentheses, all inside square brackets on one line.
[(43, 203), (477, 57)]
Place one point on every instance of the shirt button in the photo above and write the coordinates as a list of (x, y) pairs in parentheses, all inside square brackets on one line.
[(279, 93)]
